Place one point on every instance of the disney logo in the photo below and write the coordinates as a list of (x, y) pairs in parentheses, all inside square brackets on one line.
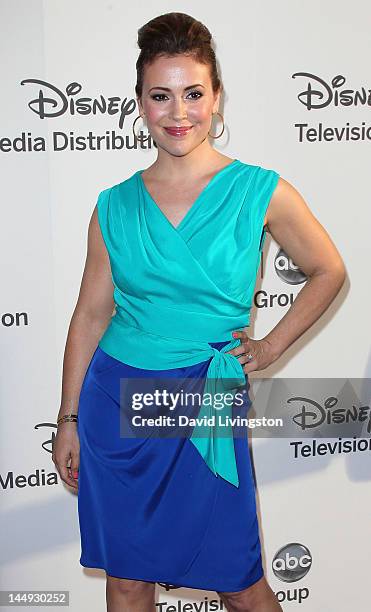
[(321, 94), (48, 444), (312, 414), (52, 102)]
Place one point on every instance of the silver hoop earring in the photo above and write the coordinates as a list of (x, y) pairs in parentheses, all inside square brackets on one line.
[(133, 126), (219, 135)]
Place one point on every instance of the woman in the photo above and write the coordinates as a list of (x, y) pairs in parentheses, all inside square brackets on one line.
[(175, 249)]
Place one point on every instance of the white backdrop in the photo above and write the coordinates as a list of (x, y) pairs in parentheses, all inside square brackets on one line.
[(271, 55)]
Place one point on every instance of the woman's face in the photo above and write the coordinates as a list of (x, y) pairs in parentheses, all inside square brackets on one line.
[(177, 92)]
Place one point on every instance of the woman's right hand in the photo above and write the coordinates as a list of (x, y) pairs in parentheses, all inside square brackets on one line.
[(66, 453)]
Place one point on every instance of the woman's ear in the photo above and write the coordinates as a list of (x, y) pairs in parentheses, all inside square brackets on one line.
[(217, 101), (140, 107)]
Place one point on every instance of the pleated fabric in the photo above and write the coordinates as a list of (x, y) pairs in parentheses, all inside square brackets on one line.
[(177, 289)]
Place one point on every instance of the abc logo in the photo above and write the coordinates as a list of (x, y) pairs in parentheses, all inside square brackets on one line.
[(287, 270), (292, 562)]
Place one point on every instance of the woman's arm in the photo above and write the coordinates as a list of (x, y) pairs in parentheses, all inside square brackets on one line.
[(90, 318), (294, 227)]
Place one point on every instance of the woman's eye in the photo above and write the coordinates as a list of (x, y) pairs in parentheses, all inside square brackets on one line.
[(160, 97), (199, 94), (155, 96)]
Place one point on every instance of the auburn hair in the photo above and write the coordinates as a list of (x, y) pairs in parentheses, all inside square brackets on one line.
[(171, 34)]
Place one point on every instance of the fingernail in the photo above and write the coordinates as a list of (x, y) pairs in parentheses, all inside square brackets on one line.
[(75, 474), (234, 334)]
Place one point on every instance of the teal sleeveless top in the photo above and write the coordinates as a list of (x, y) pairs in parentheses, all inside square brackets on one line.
[(177, 289)]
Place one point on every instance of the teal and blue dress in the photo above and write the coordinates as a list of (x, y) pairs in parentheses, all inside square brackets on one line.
[(174, 509)]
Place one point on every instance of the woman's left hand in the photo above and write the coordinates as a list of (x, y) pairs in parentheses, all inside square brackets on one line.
[(260, 351)]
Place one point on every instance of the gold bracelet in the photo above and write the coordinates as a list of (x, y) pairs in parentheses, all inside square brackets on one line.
[(67, 418)]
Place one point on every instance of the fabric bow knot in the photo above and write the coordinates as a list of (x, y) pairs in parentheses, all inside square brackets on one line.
[(215, 441)]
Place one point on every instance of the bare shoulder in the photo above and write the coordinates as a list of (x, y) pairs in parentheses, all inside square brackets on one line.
[(96, 291), (96, 246), (297, 230), (286, 203)]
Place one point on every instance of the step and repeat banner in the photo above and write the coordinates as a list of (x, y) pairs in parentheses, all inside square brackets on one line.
[(297, 100)]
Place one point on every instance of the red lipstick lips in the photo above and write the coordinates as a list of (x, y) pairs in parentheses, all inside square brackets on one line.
[(178, 131)]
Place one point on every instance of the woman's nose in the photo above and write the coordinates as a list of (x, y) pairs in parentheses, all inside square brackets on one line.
[(179, 111)]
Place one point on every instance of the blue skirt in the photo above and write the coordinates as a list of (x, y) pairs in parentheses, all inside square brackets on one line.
[(150, 508)]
